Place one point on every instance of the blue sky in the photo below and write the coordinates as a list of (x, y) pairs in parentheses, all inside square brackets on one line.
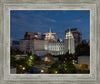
[(22, 21)]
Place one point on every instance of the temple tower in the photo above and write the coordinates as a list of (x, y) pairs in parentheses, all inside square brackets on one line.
[(69, 45)]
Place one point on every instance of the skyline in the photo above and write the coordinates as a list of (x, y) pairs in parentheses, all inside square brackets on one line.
[(22, 21)]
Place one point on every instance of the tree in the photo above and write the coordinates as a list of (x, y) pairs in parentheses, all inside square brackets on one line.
[(16, 51), (62, 67), (28, 53), (36, 57), (12, 61), (67, 57), (23, 64), (82, 49)]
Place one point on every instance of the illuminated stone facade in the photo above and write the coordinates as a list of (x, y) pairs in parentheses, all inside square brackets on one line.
[(50, 36), (69, 44), (55, 47), (49, 44), (76, 34)]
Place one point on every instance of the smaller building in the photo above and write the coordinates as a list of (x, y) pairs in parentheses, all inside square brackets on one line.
[(10, 42), (30, 35), (39, 44), (84, 60), (39, 47), (40, 52), (24, 45), (20, 56), (15, 47), (13, 70)]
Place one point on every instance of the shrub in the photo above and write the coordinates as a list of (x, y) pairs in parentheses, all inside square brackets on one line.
[(61, 67), (83, 66)]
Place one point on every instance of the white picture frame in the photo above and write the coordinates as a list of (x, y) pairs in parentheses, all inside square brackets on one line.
[(6, 77)]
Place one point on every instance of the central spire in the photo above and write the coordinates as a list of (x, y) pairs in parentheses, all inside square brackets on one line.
[(50, 30), (69, 29)]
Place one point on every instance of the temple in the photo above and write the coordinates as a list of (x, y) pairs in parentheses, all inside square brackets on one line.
[(48, 44)]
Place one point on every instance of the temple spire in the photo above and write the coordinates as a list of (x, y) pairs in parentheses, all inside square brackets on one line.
[(69, 29), (50, 30)]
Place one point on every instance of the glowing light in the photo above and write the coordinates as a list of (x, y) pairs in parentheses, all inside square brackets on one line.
[(17, 55), (29, 60), (47, 59), (56, 72), (42, 70), (31, 57), (73, 61), (23, 68), (20, 65)]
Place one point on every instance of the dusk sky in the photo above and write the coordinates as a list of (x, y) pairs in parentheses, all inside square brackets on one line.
[(22, 21)]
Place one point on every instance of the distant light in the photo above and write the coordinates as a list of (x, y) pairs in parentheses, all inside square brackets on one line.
[(46, 59), (20, 65), (31, 57), (73, 61), (23, 68), (29, 60), (17, 55), (56, 72), (42, 70)]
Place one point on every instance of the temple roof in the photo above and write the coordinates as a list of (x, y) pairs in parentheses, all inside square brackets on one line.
[(69, 35), (49, 32)]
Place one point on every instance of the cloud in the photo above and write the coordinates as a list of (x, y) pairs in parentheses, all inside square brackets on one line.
[(49, 20), (29, 19), (31, 22), (41, 18), (71, 23), (78, 20)]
